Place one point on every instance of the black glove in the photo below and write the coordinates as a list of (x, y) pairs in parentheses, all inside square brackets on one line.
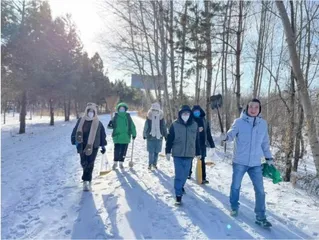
[(144, 138), (103, 150), (134, 137)]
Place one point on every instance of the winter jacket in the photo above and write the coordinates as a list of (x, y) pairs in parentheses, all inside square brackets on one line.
[(181, 140), (123, 126), (251, 140), (100, 137), (205, 137)]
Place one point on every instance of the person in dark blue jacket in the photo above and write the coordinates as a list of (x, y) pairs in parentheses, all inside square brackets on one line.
[(204, 139), (88, 135)]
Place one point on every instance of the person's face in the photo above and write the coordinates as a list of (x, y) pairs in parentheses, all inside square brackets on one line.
[(91, 114), (122, 109), (253, 109)]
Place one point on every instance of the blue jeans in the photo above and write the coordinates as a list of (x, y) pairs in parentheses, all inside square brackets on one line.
[(182, 166), (152, 158), (255, 174)]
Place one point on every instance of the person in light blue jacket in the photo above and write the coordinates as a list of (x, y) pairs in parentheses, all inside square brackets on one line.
[(250, 133)]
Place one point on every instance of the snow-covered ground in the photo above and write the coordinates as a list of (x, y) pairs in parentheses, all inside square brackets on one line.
[(42, 195)]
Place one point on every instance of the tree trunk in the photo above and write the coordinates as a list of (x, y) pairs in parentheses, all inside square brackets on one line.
[(4, 111), (209, 66), (30, 116), (164, 59), (51, 112), (184, 21), (301, 84), (66, 117), (172, 60), (156, 83), (290, 130), (291, 113), (76, 107), (138, 63), (69, 110), (259, 51), (238, 53), (227, 97), (298, 138), (23, 112)]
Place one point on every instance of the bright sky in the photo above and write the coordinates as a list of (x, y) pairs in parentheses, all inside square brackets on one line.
[(87, 16), (84, 14)]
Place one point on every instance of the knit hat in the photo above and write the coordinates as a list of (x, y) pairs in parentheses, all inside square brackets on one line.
[(156, 106)]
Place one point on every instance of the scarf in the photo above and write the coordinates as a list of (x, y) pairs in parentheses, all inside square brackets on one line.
[(155, 117), (95, 123)]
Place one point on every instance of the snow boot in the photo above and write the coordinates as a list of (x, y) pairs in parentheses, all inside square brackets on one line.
[(234, 213), (90, 186), (205, 181), (149, 167), (154, 166), (86, 186), (121, 165), (114, 166), (263, 223), (178, 200)]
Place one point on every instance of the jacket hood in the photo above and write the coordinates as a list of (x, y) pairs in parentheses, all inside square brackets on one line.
[(185, 108), (122, 104), (197, 107)]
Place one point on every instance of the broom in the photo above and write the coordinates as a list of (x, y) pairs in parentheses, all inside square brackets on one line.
[(131, 162)]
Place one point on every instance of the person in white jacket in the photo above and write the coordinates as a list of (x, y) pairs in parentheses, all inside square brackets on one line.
[(250, 133)]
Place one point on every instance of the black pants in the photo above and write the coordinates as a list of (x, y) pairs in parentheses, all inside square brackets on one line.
[(87, 163), (203, 168), (120, 152)]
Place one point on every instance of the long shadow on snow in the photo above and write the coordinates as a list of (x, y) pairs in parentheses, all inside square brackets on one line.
[(111, 206), (88, 224), (149, 216), (213, 222), (282, 229)]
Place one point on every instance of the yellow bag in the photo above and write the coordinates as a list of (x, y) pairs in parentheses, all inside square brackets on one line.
[(199, 172)]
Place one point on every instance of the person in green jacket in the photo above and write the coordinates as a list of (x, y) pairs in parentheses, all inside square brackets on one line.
[(123, 129)]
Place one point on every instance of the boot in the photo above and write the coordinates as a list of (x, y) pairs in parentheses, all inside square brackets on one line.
[(114, 166)]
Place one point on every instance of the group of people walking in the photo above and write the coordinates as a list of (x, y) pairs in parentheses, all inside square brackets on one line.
[(188, 136)]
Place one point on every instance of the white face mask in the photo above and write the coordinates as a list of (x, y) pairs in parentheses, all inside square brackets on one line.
[(90, 114), (185, 117)]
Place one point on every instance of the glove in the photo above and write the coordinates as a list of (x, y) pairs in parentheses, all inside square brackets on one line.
[(223, 136), (110, 124), (198, 157), (103, 150), (144, 138), (134, 137), (270, 161), (168, 156)]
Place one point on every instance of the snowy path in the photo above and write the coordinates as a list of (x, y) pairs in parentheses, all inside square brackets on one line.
[(42, 196)]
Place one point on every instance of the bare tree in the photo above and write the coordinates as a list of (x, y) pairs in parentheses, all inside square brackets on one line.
[(301, 84)]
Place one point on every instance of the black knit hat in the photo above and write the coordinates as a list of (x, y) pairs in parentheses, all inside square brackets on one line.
[(254, 100)]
